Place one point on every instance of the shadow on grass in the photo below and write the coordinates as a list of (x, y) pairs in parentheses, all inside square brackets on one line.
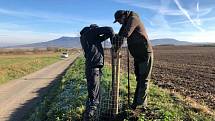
[(24, 111)]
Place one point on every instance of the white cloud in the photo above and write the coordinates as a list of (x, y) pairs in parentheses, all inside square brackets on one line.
[(53, 17), (207, 36), (23, 37), (38, 14), (206, 19), (147, 4), (160, 22), (12, 26), (144, 4), (16, 33), (185, 12), (163, 8), (165, 11), (69, 34), (205, 11)]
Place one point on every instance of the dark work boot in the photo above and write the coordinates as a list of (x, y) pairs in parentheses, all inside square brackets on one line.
[(133, 106), (90, 111)]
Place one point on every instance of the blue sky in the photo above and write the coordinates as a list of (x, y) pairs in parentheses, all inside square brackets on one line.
[(27, 21)]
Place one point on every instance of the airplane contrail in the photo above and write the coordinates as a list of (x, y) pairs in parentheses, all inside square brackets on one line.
[(198, 21), (188, 16), (197, 6), (3, 35)]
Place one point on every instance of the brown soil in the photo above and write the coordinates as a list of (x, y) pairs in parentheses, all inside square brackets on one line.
[(189, 70)]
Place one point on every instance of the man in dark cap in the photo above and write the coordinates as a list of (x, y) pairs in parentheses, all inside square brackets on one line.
[(91, 38), (140, 48)]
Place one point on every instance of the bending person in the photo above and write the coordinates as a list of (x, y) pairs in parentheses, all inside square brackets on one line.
[(140, 48), (91, 38)]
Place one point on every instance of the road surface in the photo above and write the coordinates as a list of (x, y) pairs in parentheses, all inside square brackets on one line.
[(19, 96)]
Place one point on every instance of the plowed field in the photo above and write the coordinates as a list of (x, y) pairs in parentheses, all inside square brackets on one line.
[(189, 70)]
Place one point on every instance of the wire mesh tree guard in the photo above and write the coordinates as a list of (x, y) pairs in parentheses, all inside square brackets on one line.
[(112, 100)]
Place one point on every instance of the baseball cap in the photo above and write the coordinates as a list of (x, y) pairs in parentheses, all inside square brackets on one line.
[(118, 14)]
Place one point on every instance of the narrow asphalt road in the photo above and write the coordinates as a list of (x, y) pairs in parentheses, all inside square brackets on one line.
[(19, 96)]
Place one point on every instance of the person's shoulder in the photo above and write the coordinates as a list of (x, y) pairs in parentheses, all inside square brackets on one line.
[(105, 28), (84, 30), (134, 15)]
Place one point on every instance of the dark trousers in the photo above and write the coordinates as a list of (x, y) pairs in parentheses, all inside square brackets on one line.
[(143, 68), (93, 76)]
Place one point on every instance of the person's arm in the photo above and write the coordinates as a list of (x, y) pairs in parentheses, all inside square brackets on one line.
[(119, 39), (127, 30), (103, 37), (103, 33)]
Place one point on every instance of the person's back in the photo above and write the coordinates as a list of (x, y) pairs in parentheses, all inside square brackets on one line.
[(91, 38)]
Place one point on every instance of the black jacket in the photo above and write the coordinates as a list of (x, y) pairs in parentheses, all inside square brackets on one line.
[(91, 39), (135, 32)]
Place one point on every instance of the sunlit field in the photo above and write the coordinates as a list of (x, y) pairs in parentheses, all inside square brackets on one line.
[(15, 66)]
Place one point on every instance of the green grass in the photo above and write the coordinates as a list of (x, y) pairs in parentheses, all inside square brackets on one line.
[(16, 66), (166, 106), (67, 100)]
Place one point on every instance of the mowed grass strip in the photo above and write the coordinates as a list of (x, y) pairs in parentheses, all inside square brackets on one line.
[(16, 66)]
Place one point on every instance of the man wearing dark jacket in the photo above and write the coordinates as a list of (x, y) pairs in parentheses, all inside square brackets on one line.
[(140, 48), (91, 38)]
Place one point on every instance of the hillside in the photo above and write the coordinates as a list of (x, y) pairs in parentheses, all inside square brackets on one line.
[(65, 42), (74, 42), (169, 41)]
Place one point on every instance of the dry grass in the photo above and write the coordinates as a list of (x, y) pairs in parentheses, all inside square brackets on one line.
[(192, 104), (15, 66)]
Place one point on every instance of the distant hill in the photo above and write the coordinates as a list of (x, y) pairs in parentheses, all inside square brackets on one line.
[(169, 41), (74, 42), (63, 42)]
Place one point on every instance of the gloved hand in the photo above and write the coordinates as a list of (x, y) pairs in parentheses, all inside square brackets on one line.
[(117, 42)]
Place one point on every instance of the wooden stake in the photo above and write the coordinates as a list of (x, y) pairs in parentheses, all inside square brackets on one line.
[(115, 81)]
